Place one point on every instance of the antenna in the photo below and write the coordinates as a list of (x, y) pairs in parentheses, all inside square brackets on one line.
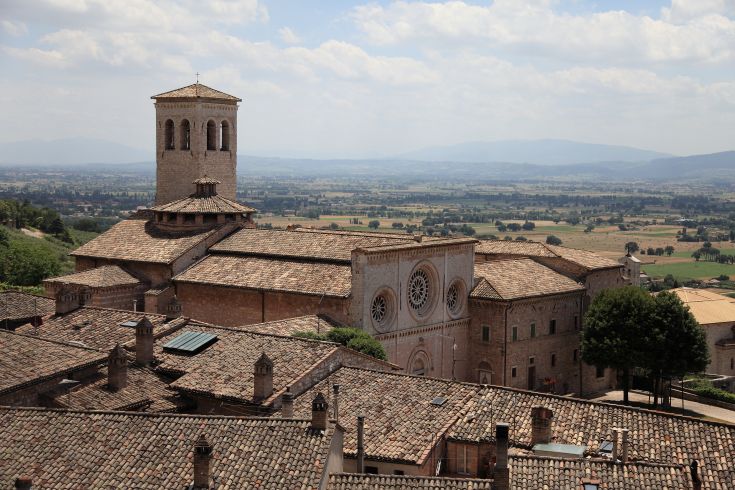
[(197, 77)]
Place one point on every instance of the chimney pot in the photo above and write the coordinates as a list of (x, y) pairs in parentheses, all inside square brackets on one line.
[(360, 444), (319, 408), (23, 483), (541, 425), (202, 460), (144, 342), (117, 368), (501, 476), (624, 443), (287, 404), (262, 378), (335, 388)]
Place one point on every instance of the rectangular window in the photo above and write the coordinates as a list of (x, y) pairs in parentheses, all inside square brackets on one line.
[(398, 472), (371, 470), (531, 360), (552, 327), (575, 355), (486, 333), (553, 360), (600, 372), (533, 330), (513, 372), (576, 322), (514, 335), (462, 460)]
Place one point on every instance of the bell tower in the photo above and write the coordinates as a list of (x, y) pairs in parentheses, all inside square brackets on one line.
[(196, 135)]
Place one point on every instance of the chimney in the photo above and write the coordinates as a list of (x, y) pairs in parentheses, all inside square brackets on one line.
[(263, 378), (202, 459), (319, 409), (23, 483), (616, 444), (541, 425), (335, 388), (624, 443), (144, 342), (67, 300), (117, 368), (502, 476), (287, 404), (693, 469), (360, 444)]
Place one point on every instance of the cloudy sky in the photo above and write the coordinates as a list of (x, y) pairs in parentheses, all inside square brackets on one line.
[(353, 79)]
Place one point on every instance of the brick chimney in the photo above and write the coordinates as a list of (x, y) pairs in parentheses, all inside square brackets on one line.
[(335, 389), (144, 342), (287, 404), (67, 299), (23, 483), (319, 411), (502, 476), (117, 368), (263, 378), (202, 460), (541, 425), (360, 444), (624, 443)]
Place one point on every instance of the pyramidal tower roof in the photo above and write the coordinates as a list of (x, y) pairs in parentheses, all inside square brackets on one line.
[(196, 91)]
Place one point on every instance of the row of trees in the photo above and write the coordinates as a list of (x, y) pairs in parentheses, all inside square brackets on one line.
[(633, 247), (627, 328), (21, 214)]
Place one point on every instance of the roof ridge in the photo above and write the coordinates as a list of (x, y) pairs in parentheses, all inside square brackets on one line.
[(264, 334), (52, 341), (410, 477), (144, 313), (601, 461)]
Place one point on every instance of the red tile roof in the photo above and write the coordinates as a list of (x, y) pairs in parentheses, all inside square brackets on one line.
[(196, 91), (511, 279), (100, 277), (15, 305)]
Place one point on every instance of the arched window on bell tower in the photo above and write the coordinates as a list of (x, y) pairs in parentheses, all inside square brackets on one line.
[(225, 136), (185, 135), (211, 135), (168, 135)]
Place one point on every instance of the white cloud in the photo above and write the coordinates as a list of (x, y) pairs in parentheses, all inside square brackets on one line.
[(682, 11), (13, 28), (288, 36)]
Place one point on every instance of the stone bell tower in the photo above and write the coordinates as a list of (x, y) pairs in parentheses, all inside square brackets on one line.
[(196, 135)]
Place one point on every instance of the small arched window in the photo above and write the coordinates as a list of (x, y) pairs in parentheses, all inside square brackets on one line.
[(211, 135), (185, 135), (418, 368), (224, 136), (168, 135)]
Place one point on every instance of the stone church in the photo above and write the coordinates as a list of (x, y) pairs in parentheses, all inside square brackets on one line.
[(456, 308)]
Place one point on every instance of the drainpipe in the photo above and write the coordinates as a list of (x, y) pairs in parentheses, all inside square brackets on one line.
[(360, 445)]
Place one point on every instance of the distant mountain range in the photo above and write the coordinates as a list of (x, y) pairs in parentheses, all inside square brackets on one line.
[(503, 160)]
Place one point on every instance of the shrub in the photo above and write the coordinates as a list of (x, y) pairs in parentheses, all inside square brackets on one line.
[(553, 240)]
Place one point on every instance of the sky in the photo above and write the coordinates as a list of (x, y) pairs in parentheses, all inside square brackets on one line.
[(356, 79)]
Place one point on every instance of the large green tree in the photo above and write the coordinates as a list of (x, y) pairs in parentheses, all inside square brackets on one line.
[(351, 337), (615, 333), (677, 343)]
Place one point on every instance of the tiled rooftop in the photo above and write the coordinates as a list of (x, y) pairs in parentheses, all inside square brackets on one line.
[(510, 279), (305, 244), (62, 449), (196, 90), (401, 423), (204, 205), (351, 481), (27, 360), (225, 368), (15, 305), (528, 472), (100, 277), (292, 276), (145, 390), (706, 306), (583, 258), (99, 328), (138, 240), (289, 326)]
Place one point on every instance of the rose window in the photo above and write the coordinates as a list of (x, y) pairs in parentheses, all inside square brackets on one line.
[(453, 298), (379, 309), (418, 290)]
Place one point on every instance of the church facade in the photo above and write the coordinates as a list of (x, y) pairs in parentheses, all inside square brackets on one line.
[(454, 308)]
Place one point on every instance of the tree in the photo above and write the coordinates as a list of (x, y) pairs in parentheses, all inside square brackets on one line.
[(514, 227), (374, 224), (659, 251), (669, 249), (397, 224), (333, 226), (615, 331), (351, 337), (631, 247), (553, 240), (697, 255), (677, 344), (589, 228), (528, 225), (651, 251)]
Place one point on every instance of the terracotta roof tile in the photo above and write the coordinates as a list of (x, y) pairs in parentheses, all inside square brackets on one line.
[(309, 244), (513, 247), (204, 205), (62, 449), (289, 326), (271, 275), (401, 423), (99, 328), (196, 91), (15, 305), (706, 306), (520, 278), (100, 277), (584, 258), (27, 360), (138, 240), (350, 481)]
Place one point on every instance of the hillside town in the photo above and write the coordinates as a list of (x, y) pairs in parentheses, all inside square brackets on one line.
[(190, 348)]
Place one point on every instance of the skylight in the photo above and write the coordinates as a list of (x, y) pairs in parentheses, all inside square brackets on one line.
[(439, 401), (190, 342)]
